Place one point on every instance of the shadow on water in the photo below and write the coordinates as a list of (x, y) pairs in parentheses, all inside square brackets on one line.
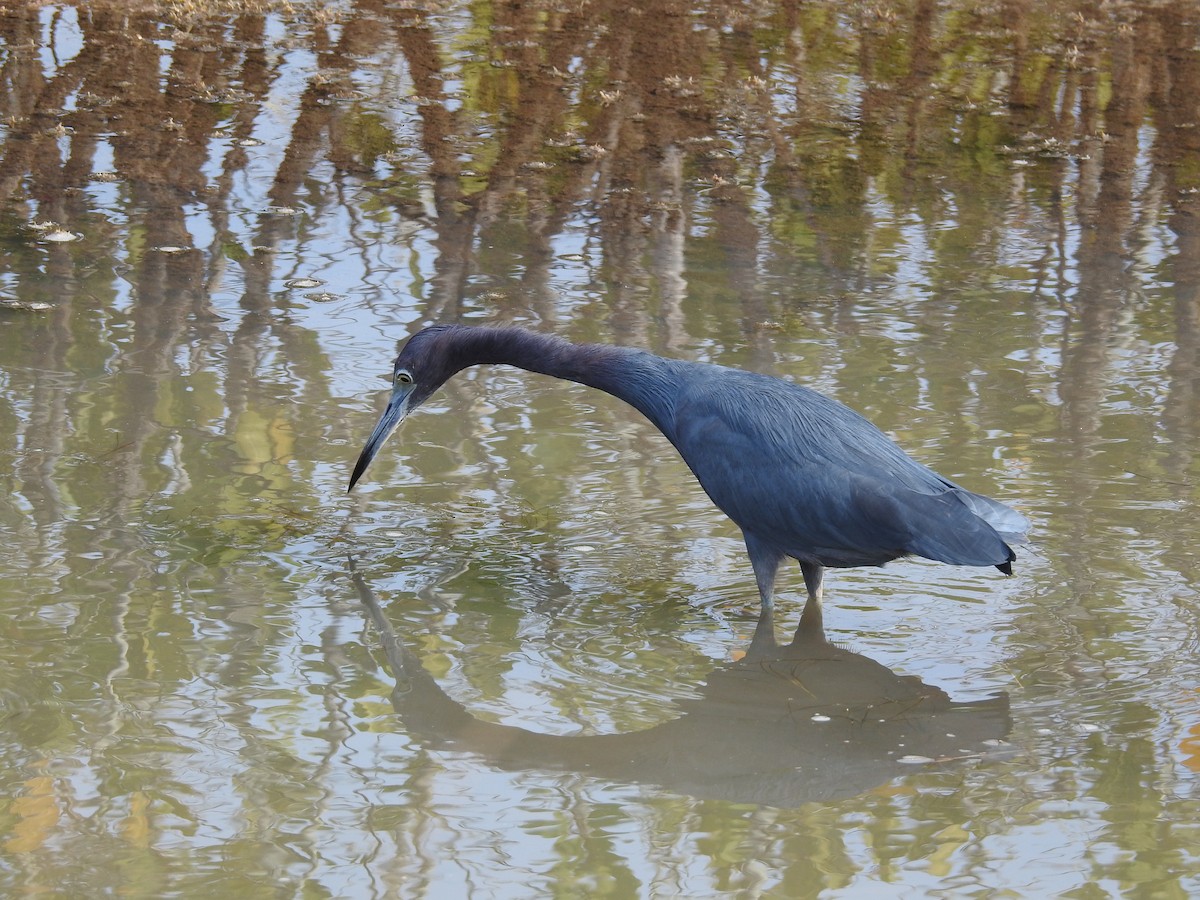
[(785, 725)]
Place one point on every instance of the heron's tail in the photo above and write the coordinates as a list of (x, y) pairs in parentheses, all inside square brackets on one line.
[(1005, 521), (967, 529)]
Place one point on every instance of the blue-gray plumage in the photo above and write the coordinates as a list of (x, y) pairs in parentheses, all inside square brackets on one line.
[(802, 475)]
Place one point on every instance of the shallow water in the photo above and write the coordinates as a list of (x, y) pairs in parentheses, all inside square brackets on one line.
[(517, 659)]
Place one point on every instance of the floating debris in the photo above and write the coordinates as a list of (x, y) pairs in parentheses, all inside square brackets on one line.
[(88, 100), (223, 95), (323, 296), (303, 283), (248, 142), (913, 760), (169, 248), (7, 301), (61, 236), (105, 177), (821, 717), (281, 211)]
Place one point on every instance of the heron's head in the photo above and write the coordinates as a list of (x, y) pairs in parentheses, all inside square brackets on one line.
[(425, 362)]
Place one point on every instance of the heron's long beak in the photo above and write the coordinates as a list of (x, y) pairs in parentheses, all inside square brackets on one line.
[(395, 413)]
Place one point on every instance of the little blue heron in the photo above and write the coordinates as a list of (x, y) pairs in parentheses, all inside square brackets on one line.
[(802, 475)]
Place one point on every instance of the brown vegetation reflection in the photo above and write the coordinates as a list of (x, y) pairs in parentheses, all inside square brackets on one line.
[(613, 112)]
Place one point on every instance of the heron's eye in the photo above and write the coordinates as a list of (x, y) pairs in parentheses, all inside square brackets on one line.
[(403, 377)]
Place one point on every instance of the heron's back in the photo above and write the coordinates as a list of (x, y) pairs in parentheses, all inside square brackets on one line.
[(811, 477)]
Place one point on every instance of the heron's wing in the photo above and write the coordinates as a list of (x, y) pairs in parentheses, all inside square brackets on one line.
[(876, 454), (816, 479)]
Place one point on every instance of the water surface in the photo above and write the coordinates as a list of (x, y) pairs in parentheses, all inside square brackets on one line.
[(518, 659)]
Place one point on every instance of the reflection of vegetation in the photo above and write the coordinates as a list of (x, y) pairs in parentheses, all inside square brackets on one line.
[(969, 219), (369, 137)]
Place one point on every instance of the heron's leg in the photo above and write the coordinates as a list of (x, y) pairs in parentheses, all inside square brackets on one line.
[(812, 620), (765, 560), (814, 574)]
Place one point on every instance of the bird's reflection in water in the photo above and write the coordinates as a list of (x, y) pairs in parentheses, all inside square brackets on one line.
[(784, 725)]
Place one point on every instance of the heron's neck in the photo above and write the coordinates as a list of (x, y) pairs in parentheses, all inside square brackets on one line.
[(641, 379)]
